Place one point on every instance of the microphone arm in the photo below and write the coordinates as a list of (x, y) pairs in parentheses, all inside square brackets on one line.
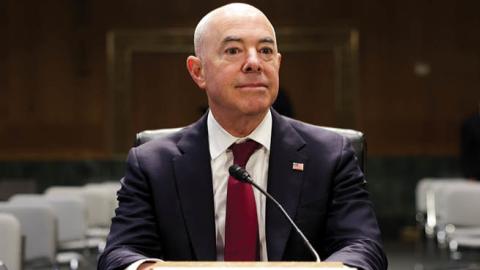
[(242, 175)]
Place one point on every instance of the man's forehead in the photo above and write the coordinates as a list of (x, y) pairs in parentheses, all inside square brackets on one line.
[(257, 29), (235, 38), (233, 22)]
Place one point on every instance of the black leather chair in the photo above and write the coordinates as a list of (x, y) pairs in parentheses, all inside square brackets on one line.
[(356, 138)]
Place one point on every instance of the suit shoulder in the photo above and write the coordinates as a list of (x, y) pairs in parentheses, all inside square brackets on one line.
[(161, 144)]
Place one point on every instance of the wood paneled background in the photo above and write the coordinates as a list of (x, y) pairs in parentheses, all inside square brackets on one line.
[(55, 101)]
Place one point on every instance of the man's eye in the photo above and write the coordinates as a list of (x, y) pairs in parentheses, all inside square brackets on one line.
[(266, 50), (232, 51)]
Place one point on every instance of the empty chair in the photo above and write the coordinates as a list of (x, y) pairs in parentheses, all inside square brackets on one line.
[(109, 191), (3, 266), (10, 245), (421, 206), (98, 206), (113, 187), (460, 217), (421, 194), (98, 211), (38, 225), (103, 196), (427, 205), (71, 217)]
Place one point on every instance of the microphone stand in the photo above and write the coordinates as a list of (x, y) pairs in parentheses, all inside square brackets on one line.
[(241, 174)]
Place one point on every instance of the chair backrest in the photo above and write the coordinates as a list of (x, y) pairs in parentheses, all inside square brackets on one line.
[(11, 243), (39, 225), (71, 213), (356, 138), (428, 184), (109, 190), (457, 203), (98, 205)]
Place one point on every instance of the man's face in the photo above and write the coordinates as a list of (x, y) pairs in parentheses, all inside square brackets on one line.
[(240, 64)]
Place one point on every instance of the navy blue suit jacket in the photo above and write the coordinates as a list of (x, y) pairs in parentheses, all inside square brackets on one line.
[(166, 207)]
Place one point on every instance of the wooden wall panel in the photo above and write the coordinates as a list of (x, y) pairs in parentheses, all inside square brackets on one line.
[(55, 104), (50, 110), (4, 52), (402, 112), (303, 88), (163, 93)]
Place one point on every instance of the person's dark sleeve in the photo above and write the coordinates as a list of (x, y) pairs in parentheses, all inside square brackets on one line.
[(352, 233), (133, 234)]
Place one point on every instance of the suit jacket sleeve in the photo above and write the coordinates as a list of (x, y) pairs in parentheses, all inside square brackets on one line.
[(133, 234), (352, 234)]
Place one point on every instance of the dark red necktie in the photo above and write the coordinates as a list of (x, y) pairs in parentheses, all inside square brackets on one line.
[(241, 226)]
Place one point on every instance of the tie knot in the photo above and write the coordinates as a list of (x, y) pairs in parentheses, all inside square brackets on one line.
[(243, 151)]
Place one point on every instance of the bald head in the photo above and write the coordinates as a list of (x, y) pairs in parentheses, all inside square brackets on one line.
[(231, 11), (237, 64)]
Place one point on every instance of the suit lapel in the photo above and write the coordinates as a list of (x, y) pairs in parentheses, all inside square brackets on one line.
[(284, 183), (194, 182)]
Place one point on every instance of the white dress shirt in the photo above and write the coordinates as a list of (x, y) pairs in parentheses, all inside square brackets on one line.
[(222, 158), (219, 140)]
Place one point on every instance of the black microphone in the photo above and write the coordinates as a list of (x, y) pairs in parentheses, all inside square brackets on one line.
[(242, 175)]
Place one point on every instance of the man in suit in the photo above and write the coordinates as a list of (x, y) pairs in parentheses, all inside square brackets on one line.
[(176, 197)]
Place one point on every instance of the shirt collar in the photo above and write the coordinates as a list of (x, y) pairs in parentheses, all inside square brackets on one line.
[(219, 139)]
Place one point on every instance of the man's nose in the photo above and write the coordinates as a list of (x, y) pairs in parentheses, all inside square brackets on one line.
[(252, 62)]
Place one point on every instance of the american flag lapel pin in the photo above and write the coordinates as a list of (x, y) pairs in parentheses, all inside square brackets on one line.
[(297, 166)]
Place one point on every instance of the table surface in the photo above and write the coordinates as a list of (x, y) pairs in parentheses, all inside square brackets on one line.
[(258, 265)]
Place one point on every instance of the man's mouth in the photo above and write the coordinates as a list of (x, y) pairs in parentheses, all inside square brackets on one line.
[(252, 85)]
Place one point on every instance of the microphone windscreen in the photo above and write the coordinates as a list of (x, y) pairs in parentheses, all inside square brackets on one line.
[(239, 173)]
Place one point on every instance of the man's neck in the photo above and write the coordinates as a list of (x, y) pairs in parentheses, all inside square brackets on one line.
[(239, 126)]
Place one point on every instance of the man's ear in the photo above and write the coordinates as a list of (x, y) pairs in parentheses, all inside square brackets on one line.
[(195, 68), (279, 56)]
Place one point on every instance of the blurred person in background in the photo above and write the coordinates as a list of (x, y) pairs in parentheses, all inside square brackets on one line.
[(470, 146)]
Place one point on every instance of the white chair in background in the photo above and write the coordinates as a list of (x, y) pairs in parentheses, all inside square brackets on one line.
[(421, 206), (98, 206), (71, 215), (70, 212), (101, 214), (460, 216), (38, 225), (110, 192), (3, 266), (98, 210), (11, 243), (426, 204)]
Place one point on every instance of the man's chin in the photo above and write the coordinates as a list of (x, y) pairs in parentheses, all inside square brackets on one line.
[(256, 110)]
